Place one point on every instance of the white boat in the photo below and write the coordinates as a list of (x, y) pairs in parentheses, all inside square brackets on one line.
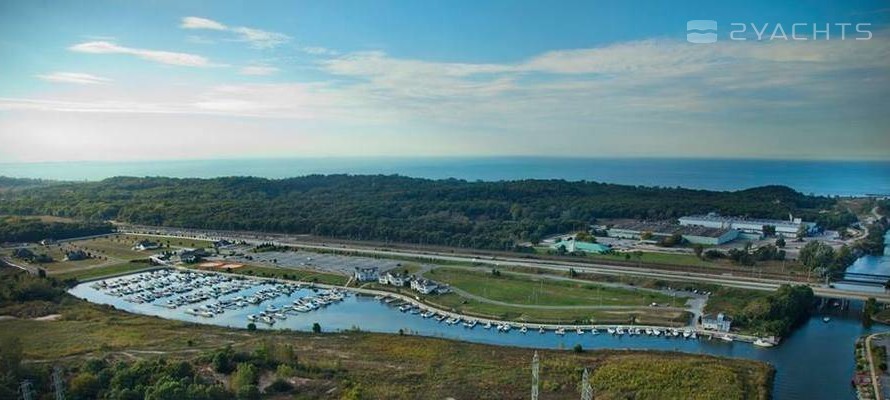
[(523, 329), (487, 325), (579, 331), (594, 331), (252, 317), (726, 338), (610, 330), (826, 319), (560, 331), (763, 343), (541, 331)]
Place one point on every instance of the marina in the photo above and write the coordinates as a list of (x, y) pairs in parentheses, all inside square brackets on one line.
[(232, 301)]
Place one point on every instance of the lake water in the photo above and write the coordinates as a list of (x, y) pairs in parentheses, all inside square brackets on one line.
[(816, 362), (844, 178)]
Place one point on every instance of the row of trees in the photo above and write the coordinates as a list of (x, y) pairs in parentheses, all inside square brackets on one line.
[(18, 229), (824, 260), (494, 215)]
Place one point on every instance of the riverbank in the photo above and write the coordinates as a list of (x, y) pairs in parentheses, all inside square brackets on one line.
[(392, 366)]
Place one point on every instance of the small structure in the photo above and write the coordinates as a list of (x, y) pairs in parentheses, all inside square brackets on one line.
[(47, 242), (76, 255), (143, 245), (394, 279), (572, 246), (222, 244), (720, 322), (191, 256), (424, 286), (367, 274)]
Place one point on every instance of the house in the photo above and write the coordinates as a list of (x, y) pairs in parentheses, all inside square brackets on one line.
[(394, 279), (720, 322), (424, 286), (367, 274), (76, 255), (192, 255), (143, 245)]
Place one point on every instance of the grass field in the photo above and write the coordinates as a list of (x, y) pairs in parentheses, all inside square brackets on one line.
[(641, 316), (516, 289), (395, 367), (293, 273), (91, 273)]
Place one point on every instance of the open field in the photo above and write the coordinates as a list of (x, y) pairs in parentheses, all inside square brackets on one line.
[(91, 273), (394, 367), (641, 315), (514, 289), (293, 273)]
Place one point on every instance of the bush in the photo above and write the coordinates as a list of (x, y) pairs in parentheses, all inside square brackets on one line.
[(578, 348), (280, 386)]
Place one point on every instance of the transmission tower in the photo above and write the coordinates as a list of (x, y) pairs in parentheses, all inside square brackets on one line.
[(536, 366), (586, 390), (58, 384), (27, 390)]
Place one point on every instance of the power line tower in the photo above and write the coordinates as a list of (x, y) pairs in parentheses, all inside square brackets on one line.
[(586, 390), (58, 384), (27, 390), (536, 367)]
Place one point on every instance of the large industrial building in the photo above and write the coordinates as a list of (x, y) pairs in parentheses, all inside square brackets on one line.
[(658, 230), (748, 226)]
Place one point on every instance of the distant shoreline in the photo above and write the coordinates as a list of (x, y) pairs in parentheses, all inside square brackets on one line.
[(831, 177)]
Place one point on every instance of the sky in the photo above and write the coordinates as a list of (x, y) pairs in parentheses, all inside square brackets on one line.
[(155, 80)]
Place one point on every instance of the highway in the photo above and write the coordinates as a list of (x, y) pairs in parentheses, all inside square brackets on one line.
[(557, 266)]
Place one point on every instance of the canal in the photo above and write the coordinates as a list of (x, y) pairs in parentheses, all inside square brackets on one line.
[(816, 362)]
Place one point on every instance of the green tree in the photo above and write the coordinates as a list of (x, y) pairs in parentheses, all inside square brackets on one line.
[(245, 375), (818, 257), (84, 386), (316, 328), (780, 242), (698, 249)]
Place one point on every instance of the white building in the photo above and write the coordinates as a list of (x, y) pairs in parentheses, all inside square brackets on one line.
[(367, 274), (788, 227), (394, 279), (143, 245), (424, 286), (720, 323)]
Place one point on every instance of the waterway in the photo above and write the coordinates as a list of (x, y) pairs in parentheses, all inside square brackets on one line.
[(816, 362)]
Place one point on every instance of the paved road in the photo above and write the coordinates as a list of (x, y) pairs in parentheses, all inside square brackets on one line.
[(561, 266), (875, 380)]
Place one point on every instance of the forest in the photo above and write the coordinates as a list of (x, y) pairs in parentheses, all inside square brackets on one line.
[(17, 229), (492, 215)]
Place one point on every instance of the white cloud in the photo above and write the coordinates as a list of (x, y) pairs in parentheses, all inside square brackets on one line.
[(201, 23), (258, 70), (159, 56), (257, 38), (319, 51), (74, 77)]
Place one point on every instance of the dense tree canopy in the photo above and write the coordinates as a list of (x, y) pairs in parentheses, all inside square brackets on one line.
[(393, 208), (17, 229)]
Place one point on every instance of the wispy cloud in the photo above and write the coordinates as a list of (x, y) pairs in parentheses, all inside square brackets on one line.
[(201, 23), (257, 38), (319, 51), (159, 56), (74, 77), (258, 70)]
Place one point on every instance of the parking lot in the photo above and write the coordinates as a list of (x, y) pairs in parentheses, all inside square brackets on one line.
[(318, 261)]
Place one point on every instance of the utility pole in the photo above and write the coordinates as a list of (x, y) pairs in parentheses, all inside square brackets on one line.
[(586, 390), (27, 390), (536, 365), (58, 384)]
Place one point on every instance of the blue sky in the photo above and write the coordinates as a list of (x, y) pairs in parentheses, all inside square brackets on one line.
[(116, 80)]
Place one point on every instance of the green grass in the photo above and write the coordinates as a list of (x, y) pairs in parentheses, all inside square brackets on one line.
[(115, 269), (293, 273), (641, 316), (524, 290)]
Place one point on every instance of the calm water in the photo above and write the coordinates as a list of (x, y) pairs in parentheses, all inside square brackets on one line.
[(816, 362), (818, 177)]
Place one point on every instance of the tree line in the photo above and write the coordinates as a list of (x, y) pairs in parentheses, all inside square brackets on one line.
[(17, 229), (458, 213)]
